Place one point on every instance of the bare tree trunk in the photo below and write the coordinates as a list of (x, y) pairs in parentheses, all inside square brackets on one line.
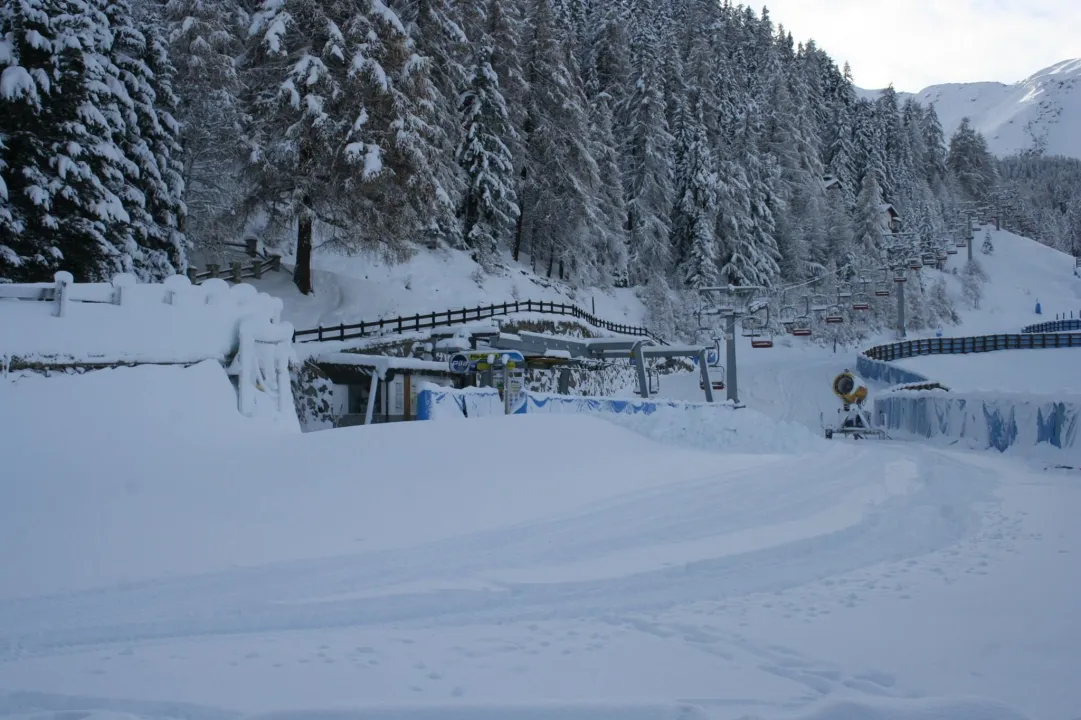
[(302, 273), (551, 260), (520, 224)]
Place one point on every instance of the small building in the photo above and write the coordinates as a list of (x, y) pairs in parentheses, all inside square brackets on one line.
[(379, 388), (892, 217)]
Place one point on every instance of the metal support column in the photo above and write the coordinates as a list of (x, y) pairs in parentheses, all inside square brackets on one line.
[(730, 367), (640, 365), (565, 381), (370, 410), (703, 366)]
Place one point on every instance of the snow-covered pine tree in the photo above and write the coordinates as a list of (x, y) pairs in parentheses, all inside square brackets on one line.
[(870, 222), (750, 230), (204, 38), (435, 29), (149, 138), (490, 207), (558, 201), (647, 157), (971, 163), (30, 59), (338, 133), (972, 279), (695, 211), (608, 231), (988, 248)]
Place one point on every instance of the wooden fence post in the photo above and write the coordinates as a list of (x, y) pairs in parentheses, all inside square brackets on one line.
[(193, 274), (237, 268), (62, 294), (256, 269), (213, 269)]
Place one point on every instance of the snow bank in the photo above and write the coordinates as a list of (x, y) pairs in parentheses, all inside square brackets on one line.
[(123, 407), (921, 709), (719, 427), (173, 322)]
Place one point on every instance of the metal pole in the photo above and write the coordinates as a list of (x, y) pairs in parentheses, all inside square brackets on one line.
[(369, 411), (640, 365), (970, 244), (901, 309), (730, 345), (703, 366)]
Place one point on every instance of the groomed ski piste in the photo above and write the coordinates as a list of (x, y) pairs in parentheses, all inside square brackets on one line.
[(165, 557)]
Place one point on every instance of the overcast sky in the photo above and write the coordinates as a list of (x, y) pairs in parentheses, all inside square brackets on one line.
[(916, 43)]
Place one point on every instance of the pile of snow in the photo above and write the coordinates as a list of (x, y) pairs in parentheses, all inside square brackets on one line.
[(719, 427), (125, 408), (174, 322)]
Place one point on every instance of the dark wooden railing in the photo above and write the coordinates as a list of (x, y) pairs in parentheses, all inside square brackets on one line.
[(978, 344), (406, 323)]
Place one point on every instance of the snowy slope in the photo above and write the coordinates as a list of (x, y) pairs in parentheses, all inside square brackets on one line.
[(1044, 108), (352, 289)]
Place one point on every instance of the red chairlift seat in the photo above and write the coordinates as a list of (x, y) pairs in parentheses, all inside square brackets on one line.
[(801, 332), (762, 342), (860, 305), (951, 251)]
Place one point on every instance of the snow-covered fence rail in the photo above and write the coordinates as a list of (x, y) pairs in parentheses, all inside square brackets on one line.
[(237, 270), (408, 323), (1053, 326)]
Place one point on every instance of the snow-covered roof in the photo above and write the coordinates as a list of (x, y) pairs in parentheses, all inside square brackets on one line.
[(382, 363)]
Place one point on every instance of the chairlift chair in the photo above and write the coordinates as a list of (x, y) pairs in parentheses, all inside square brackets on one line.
[(762, 341), (950, 251), (914, 263), (834, 315), (882, 289), (801, 327), (861, 302), (844, 291), (899, 276), (819, 303), (962, 244)]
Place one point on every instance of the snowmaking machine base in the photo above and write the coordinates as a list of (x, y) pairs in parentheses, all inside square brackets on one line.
[(852, 420)]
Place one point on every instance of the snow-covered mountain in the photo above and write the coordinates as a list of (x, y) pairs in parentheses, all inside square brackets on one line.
[(1042, 110)]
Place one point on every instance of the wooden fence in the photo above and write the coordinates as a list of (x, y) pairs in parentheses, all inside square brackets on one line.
[(1053, 326), (407, 323), (965, 345), (237, 270)]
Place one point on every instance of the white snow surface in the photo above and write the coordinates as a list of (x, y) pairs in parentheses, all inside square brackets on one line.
[(350, 289), (1044, 107), (165, 557), (169, 563)]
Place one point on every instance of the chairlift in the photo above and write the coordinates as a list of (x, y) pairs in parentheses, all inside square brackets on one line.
[(882, 289), (801, 327), (951, 251), (861, 302), (844, 291), (819, 303), (834, 315), (762, 341), (914, 263), (962, 244), (899, 276), (928, 258)]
